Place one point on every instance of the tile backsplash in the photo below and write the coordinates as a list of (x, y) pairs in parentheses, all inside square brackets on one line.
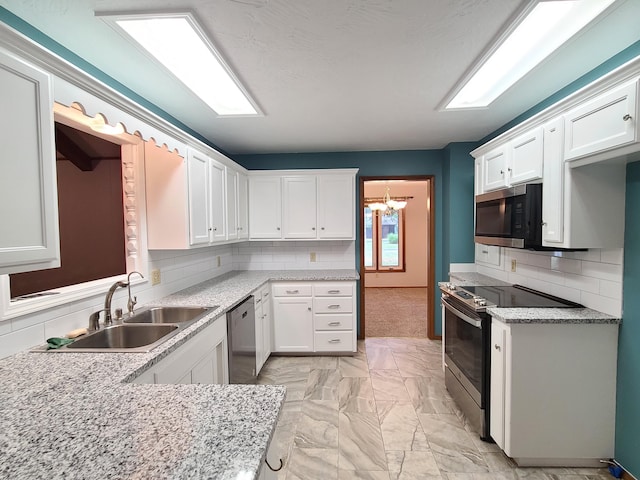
[(592, 277), (313, 255)]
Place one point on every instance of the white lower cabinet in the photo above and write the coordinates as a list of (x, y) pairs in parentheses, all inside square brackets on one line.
[(489, 254), (202, 359), (262, 301), (314, 317), (553, 392)]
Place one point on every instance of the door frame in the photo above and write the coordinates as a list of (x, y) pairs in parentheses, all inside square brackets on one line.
[(431, 235)]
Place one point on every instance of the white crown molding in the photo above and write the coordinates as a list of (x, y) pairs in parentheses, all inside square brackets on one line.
[(626, 72), (329, 171)]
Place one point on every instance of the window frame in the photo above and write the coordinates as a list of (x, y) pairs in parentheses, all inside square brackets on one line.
[(377, 244), (134, 229)]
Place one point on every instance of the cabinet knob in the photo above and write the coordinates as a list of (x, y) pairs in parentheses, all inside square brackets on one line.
[(497, 347), (313, 228), (309, 308), (209, 229), (501, 172), (277, 228), (322, 228), (544, 224), (509, 169), (627, 117)]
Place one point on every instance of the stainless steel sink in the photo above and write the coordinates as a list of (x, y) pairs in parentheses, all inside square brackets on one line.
[(167, 315), (125, 338)]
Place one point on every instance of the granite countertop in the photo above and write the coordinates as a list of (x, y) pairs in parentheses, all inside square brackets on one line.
[(531, 315), (75, 416)]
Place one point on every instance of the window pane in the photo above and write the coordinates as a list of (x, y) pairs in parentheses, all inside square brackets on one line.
[(368, 238), (390, 240)]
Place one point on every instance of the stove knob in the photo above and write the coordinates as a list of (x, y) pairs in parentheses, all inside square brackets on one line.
[(451, 286), (482, 303)]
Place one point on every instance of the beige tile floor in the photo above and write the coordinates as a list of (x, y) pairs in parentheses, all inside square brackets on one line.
[(384, 414)]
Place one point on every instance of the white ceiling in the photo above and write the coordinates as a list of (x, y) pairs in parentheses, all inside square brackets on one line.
[(335, 75)]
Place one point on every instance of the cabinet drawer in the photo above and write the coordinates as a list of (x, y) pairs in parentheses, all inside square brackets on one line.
[(333, 305), (335, 290), (333, 341), (333, 321), (292, 290)]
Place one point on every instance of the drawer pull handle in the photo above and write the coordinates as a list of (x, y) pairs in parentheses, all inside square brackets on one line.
[(627, 117), (333, 307), (334, 340), (293, 291), (335, 324), (266, 294), (497, 347), (258, 300), (334, 291)]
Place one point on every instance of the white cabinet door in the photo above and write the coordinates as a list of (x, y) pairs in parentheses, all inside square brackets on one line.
[(243, 206), (553, 189), (232, 204), (526, 157), (497, 400), (198, 179), (265, 207), (292, 324), (608, 121), (217, 203), (29, 236), (299, 207), (259, 331), (494, 166), (477, 184), (336, 209), (267, 327)]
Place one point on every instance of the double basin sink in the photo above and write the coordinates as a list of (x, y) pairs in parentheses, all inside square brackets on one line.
[(141, 331)]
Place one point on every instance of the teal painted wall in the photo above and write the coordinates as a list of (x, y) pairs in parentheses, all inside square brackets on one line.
[(628, 391), (392, 163)]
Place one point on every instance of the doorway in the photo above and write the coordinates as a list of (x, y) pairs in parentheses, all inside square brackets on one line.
[(397, 233)]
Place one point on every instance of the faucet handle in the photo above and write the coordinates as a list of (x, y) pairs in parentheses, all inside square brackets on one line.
[(131, 303), (94, 320)]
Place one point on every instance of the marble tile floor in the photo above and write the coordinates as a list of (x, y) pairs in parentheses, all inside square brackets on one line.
[(384, 414)]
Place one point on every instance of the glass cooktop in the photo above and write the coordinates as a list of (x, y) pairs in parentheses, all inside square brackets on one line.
[(519, 296)]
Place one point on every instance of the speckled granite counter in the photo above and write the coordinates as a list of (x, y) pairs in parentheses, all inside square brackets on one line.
[(74, 416), (472, 278), (531, 315)]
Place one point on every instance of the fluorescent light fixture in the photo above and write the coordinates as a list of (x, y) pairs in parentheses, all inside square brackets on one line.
[(180, 45), (536, 33)]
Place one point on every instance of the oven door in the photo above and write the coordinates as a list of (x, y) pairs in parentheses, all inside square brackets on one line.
[(465, 349)]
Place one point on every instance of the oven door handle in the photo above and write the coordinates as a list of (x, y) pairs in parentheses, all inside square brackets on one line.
[(458, 313)]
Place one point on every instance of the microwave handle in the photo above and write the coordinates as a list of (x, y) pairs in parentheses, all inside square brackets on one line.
[(458, 313)]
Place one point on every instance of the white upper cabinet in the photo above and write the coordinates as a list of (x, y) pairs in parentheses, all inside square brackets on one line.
[(477, 184), (517, 161), (29, 234), (494, 167), (553, 185), (608, 121), (335, 195), (299, 207), (190, 203), (198, 191), (218, 197), (265, 207), (526, 157), (232, 204), (243, 206)]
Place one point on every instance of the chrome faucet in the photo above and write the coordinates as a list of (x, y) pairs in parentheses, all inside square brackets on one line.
[(107, 300), (131, 303)]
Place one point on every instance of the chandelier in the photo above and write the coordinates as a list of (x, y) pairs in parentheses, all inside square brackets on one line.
[(386, 205)]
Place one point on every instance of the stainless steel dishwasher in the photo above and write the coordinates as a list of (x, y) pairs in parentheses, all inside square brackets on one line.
[(241, 341)]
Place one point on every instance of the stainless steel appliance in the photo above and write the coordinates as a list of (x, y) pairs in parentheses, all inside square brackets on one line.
[(241, 342), (467, 339), (511, 217)]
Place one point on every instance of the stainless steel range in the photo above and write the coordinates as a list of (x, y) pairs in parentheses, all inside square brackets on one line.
[(467, 338)]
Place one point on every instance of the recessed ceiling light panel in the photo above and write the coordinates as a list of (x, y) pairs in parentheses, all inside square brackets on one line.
[(536, 33), (180, 45)]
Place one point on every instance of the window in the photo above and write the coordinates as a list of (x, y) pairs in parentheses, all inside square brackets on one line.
[(383, 241), (118, 175)]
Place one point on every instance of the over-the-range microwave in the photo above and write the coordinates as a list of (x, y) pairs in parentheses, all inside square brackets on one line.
[(510, 217)]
